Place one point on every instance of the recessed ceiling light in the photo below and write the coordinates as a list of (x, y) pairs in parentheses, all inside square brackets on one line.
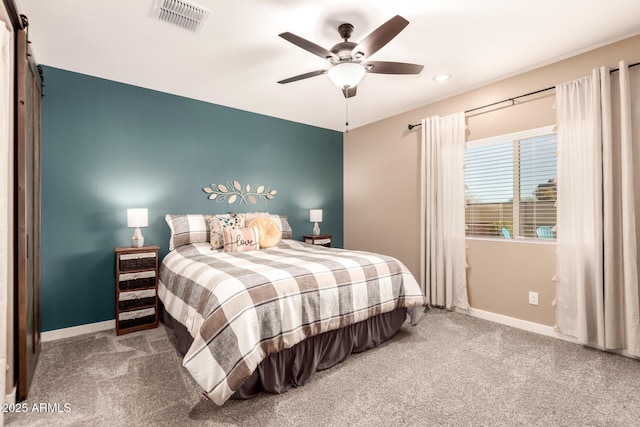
[(441, 78)]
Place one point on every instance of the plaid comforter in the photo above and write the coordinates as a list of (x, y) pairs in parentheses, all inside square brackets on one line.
[(241, 307)]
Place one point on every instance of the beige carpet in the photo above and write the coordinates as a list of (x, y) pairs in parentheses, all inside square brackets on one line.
[(450, 369)]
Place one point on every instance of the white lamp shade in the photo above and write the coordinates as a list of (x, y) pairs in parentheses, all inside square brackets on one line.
[(347, 74), (315, 215), (137, 218)]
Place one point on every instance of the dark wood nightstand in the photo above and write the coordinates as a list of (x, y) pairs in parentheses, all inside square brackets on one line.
[(320, 240), (136, 288)]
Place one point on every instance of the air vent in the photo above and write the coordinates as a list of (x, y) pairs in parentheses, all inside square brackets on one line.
[(181, 13)]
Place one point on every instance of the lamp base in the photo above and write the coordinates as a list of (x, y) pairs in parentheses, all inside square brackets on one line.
[(137, 241), (316, 229)]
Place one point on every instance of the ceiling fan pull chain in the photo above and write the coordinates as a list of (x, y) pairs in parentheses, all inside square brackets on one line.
[(346, 107)]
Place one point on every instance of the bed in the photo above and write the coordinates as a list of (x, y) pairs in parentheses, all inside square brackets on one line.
[(267, 319)]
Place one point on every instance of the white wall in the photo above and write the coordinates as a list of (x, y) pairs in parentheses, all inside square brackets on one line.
[(381, 187)]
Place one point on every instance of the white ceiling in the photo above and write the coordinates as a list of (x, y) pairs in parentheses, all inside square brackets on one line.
[(238, 57)]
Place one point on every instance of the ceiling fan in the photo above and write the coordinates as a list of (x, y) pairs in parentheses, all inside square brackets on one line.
[(347, 58)]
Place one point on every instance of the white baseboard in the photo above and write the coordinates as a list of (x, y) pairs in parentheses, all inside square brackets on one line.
[(517, 323), (74, 331), (534, 327)]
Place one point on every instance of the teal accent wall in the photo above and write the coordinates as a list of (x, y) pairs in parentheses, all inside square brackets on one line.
[(108, 146)]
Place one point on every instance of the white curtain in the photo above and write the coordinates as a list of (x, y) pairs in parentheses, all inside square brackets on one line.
[(5, 84), (599, 209), (443, 253)]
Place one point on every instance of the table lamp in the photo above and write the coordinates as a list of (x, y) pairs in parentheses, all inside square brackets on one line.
[(315, 215), (137, 218)]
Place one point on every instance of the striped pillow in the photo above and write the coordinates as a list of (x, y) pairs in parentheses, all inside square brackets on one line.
[(241, 239), (283, 225), (187, 229)]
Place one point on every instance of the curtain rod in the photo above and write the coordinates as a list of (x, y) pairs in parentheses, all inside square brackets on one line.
[(513, 99)]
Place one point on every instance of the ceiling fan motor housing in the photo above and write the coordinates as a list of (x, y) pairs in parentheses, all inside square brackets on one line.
[(343, 50)]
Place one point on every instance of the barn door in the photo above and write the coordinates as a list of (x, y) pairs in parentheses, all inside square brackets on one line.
[(29, 90)]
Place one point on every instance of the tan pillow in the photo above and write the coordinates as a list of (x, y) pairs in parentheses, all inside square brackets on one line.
[(253, 215), (268, 231)]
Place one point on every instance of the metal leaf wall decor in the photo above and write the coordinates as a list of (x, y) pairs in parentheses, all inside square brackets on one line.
[(233, 191)]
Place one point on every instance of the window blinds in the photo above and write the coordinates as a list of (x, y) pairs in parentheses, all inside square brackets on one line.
[(510, 183)]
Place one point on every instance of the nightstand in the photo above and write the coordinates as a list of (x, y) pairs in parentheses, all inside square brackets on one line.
[(136, 288), (320, 240)]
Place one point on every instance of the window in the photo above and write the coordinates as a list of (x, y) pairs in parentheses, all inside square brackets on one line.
[(510, 185)]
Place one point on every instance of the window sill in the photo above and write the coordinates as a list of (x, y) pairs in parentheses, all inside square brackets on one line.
[(516, 240)]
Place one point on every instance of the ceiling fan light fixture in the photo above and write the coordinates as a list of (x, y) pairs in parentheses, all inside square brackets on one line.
[(346, 74)]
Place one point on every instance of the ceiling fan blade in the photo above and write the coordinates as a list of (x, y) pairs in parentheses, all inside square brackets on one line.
[(385, 67), (309, 46), (303, 76), (379, 37), (350, 92)]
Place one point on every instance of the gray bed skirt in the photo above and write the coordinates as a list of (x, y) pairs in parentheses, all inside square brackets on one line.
[(292, 367)]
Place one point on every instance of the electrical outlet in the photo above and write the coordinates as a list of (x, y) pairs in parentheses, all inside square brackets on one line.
[(533, 298)]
